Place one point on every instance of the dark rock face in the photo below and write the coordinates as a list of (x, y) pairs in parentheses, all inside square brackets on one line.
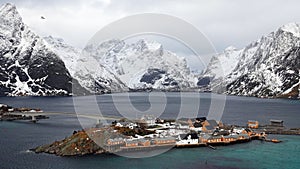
[(152, 75), (57, 75), (290, 79), (170, 82), (204, 81), (43, 75)]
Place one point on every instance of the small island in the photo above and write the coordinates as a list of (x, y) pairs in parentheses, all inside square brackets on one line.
[(150, 133), (9, 113)]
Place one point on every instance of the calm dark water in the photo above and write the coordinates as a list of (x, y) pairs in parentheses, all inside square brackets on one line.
[(17, 137), (237, 110)]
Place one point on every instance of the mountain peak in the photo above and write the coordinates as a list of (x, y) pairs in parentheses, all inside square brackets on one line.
[(9, 9), (293, 28), (143, 44), (11, 21), (112, 43), (51, 39), (230, 48)]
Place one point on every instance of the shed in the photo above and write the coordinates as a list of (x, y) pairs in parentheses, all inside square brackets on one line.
[(276, 122), (253, 124)]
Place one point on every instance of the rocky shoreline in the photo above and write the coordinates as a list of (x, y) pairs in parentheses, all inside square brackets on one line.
[(76, 145)]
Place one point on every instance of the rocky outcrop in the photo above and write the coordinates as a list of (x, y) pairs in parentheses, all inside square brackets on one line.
[(78, 144)]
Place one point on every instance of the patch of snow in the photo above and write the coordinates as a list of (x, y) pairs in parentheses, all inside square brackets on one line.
[(290, 89), (293, 28)]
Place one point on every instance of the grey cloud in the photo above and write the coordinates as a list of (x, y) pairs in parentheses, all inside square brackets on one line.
[(224, 22)]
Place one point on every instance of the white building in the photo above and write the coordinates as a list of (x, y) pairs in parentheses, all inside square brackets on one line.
[(187, 140), (149, 119)]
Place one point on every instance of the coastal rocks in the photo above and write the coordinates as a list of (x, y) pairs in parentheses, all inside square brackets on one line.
[(78, 144)]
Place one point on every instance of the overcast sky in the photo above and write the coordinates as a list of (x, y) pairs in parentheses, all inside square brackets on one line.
[(224, 22)]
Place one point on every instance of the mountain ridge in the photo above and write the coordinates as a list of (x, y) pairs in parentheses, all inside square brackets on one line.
[(143, 65), (268, 67), (31, 65)]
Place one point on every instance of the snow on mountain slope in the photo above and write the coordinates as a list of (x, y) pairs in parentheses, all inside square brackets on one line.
[(223, 64), (67, 53), (27, 66), (220, 66), (144, 65), (85, 69), (293, 28), (268, 67)]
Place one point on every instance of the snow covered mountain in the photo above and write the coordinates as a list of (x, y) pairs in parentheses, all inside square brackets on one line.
[(268, 67), (143, 65), (85, 69), (31, 65), (27, 65)]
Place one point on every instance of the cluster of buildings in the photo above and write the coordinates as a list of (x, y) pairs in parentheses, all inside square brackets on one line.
[(180, 133), (5, 108), (9, 113), (9, 109)]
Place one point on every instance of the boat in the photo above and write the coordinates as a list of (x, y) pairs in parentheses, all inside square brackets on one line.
[(275, 141)]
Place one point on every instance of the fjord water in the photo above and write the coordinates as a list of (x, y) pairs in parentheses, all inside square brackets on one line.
[(18, 137)]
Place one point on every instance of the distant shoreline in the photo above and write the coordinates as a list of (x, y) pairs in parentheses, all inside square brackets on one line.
[(144, 91)]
